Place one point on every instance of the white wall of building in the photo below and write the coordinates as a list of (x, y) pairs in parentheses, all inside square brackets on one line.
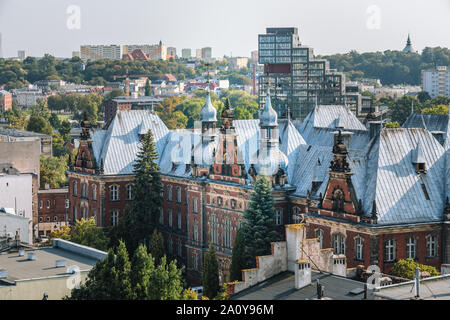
[(16, 193)]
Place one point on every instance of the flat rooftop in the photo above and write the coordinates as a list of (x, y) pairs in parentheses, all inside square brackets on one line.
[(433, 288), (141, 99), (20, 268), (282, 287), (22, 133)]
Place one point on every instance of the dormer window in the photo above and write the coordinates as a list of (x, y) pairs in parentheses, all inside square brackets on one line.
[(420, 168)]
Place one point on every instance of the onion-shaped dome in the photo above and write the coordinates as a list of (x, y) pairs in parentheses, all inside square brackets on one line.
[(271, 162), (208, 112), (268, 117)]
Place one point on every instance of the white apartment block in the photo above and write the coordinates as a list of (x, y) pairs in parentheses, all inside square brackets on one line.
[(436, 81), (99, 52), (28, 98)]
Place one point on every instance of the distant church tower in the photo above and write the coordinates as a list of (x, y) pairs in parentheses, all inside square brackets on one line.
[(408, 48)]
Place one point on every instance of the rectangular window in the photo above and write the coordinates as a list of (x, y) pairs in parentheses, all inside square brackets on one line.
[(114, 193), (114, 218), (359, 248), (411, 248), (178, 194), (179, 220), (161, 216), (170, 218), (194, 205), (389, 250), (431, 246), (278, 216), (169, 193)]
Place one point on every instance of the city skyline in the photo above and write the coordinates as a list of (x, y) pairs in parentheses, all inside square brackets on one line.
[(229, 29)]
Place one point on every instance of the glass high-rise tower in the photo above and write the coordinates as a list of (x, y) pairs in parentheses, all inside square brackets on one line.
[(297, 79)]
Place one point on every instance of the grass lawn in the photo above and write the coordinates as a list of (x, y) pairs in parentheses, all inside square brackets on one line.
[(65, 116)]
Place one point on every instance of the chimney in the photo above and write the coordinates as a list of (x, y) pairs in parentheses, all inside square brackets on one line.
[(320, 290), (47, 186), (302, 274), (3, 273), (60, 263), (417, 283), (31, 256), (21, 253), (375, 128)]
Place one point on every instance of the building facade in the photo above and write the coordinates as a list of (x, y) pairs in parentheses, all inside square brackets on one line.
[(99, 52), (186, 53), (296, 78), (5, 101), (372, 194), (436, 81), (53, 209)]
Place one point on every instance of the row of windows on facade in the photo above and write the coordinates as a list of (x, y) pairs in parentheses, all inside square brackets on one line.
[(47, 204), (390, 246), (113, 191), (47, 219)]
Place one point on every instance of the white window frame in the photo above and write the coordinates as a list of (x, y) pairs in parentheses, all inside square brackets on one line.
[(129, 192), (114, 192), (114, 218), (411, 248), (359, 246), (94, 192), (278, 216), (169, 193), (319, 235), (339, 243), (431, 246), (390, 250)]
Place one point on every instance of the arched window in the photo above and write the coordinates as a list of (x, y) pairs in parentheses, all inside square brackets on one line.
[(339, 243), (40, 204), (47, 204), (338, 200), (74, 188), (84, 192), (55, 218)]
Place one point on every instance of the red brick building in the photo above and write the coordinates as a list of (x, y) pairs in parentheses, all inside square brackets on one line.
[(369, 204), (52, 210)]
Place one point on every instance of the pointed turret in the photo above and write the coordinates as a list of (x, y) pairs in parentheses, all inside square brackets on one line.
[(408, 48), (208, 118)]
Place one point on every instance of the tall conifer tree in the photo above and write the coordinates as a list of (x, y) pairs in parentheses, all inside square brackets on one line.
[(210, 274), (258, 226)]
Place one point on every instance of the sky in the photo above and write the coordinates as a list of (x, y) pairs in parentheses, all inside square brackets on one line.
[(230, 27)]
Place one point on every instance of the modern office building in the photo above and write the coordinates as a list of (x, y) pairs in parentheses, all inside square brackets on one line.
[(172, 51), (436, 81), (206, 53), (297, 79), (186, 53), (198, 53), (22, 54), (99, 52)]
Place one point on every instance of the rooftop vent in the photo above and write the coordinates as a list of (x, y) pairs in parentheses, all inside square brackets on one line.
[(60, 263), (3, 273), (21, 253), (32, 256)]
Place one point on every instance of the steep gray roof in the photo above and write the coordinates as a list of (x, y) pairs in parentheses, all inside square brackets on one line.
[(319, 125), (433, 123), (401, 194), (118, 145)]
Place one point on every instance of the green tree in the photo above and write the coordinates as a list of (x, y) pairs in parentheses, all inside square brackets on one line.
[(407, 269), (423, 96), (108, 280), (210, 274), (237, 258), (87, 233), (258, 222), (54, 121), (40, 125), (142, 269), (401, 108), (142, 217), (394, 124), (157, 246), (438, 109), (64, 129), (166, 281), (53, 171), (148, 88)]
